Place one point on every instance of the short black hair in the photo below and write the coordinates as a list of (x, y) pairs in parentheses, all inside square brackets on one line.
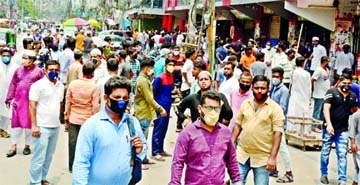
[(299, 61), (70, 42), (200, 64), (112, 64), (147, 62), (344, 77), (51, 62), (347, 72), (27, 41), (324, 59), (168, 60), (107, 39), (88, 68), (48, 39), (117, 82), (260, 55), (210, 95), (230, 63), (3, 50), (78, 55), (259, 78), (232, 58), (123, 54), (245, 73), (189, 52), (279, 70), (290, 51), (248, 48)]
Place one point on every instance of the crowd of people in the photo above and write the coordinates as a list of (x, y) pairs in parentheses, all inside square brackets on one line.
[(108, 94)]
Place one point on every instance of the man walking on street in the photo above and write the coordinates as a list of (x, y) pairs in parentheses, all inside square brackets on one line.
[(318, 52), (104, 157), (280, 94), (162, 87), (260, 122), (82, 101), (18, 97), (339, 103), (45, 98), (145, 105), (205, 147), (7, 70)]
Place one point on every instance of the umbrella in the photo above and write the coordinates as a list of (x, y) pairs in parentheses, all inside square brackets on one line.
[(94, 23), (110, 22), (78, 22)]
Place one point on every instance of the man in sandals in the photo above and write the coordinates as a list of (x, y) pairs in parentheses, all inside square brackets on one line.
[(280, 94), (339, 103)]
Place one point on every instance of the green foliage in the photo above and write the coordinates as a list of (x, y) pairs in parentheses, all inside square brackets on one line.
[(28, 8)]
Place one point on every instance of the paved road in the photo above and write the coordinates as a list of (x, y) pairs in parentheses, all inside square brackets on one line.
[(14, 171)]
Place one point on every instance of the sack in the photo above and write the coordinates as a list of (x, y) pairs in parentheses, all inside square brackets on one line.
[(134, 162)]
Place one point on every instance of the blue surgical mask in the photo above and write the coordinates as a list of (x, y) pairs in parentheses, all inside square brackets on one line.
[(53, 75), (5, 59)]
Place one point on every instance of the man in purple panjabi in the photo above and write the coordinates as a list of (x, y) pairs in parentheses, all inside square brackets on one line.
[(18, 97)]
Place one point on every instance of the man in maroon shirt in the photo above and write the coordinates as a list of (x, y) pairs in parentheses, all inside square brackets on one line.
[(206, 148)]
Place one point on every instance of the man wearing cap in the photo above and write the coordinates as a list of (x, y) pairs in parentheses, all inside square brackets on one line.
[(318, 52), (18, 97), (80, 41), (192, 101), (7, 70), (159, 66), (100, 65)]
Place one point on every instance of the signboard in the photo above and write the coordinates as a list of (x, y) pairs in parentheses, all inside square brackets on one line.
[(275, 27), (341, 35)]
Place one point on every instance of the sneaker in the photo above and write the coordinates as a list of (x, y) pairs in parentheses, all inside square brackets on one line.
[(27, 151), (324, 180)]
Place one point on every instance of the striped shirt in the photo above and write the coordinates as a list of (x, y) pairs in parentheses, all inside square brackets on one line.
[(288, 67)]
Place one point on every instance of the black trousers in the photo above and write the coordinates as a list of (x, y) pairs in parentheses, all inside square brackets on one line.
[(73, 134)]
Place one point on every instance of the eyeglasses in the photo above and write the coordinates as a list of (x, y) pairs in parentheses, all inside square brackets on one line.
[(210, 108)]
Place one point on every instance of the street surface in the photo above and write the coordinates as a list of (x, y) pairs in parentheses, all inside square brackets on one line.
[(14, 171)]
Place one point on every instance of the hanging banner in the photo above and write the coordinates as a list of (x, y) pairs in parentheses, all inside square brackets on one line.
[(257, 30), (292, 31), (341, 35)]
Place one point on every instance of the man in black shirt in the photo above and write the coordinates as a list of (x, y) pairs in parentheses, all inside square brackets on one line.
[(192, 102), (339, 103)]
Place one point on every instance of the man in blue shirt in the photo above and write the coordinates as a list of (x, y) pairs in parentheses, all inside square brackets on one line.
[(280, 94), (104, 145)]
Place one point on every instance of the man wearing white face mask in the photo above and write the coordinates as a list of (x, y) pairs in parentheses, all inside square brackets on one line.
[(162, 88), (280, 94), (269, 52), (199, 157)]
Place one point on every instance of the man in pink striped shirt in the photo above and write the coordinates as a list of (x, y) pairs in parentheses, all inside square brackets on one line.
[(82, 101)]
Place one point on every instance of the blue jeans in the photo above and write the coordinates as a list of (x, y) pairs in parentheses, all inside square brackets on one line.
[(43, 152), (341, 140), (145, 124), (318, 107), (261, 175)]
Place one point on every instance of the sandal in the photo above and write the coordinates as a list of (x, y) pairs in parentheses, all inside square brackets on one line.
[(165, 154), (158, 157), (11, 153), (285, 179), (274, 173)]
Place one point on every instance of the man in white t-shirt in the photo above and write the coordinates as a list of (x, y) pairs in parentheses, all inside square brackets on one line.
[(187, 77), (230, 83), (45, 98), (320, 84), (345, 59)]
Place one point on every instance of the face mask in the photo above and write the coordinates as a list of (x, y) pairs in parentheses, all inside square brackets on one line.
[(94, 61), (12, 51), (314, 45), (53, 75), (226, 75), (150, 73), (6, 59), (26, 63), (176, 53), (346, 50), (260, 97), (170, 69), (268, 47), (345, 88), (118, 107), (244, 86), (210, 118), (276, 81)]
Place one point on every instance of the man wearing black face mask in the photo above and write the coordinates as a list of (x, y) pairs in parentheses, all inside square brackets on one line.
[(105, 143), (345, 59), (238, 96), (339, 103), (260, 122)]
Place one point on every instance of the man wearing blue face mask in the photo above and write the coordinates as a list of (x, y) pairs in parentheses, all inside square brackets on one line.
[(105, 144), (45, 98), (7, 70)]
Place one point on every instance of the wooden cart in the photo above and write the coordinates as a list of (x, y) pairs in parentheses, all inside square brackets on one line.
[(303, 136)]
